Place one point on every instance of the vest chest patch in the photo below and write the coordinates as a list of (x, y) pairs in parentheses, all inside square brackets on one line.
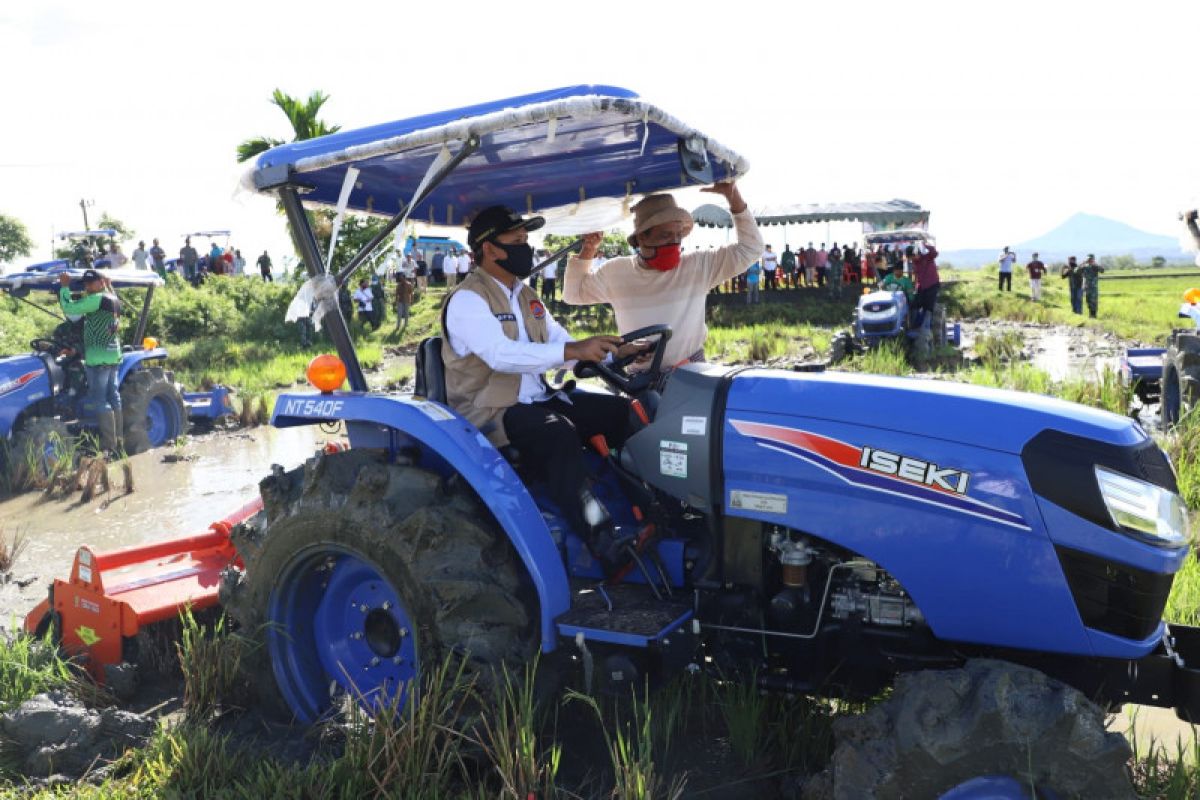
[(506, 317), (537, 309)]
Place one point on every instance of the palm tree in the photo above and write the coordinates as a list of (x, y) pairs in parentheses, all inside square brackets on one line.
[(303, 117)]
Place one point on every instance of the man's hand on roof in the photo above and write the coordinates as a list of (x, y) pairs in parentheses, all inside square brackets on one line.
[(591, 243), (64, 279), (728, 190)]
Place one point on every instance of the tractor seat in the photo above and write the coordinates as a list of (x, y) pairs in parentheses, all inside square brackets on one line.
[(430, 383)]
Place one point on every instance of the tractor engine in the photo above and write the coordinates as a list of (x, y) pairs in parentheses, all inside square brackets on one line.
[(808, 584)]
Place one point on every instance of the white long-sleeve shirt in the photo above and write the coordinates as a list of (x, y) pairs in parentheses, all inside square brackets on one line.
[(641, 296), (473, 328)]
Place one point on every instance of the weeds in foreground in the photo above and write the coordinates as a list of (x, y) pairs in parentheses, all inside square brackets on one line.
[(630, 747), (1163, 772), (30, 666), (12, 545), (525, 765), (210, 656), (415, 745)]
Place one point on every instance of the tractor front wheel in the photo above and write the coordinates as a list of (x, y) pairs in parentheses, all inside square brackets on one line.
[(1181, 376), (989, 724), (366, 573)]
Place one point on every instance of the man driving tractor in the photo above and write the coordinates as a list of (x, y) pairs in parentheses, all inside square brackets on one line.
[(498, 342)]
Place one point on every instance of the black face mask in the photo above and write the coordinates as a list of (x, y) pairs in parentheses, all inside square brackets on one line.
[(518, 259)]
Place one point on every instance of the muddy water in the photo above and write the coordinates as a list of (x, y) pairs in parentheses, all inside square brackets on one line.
[(170, 499)]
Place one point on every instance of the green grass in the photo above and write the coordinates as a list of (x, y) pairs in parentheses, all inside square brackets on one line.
[(1144, 309), (30, 666)]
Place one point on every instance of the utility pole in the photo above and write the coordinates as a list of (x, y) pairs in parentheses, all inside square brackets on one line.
[(83, 205)]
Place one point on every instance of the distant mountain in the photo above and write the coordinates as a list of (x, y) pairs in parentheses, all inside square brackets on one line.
[(1078, 236)]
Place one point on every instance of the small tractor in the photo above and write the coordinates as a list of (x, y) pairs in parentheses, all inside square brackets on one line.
[(815, 532), (1169, 375), (42, 393)]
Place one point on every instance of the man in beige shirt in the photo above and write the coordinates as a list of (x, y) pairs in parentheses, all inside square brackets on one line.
[(658, 285)]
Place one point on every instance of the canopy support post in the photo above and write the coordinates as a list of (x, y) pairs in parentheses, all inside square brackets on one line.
[(469, 147), (140, 334), (306, 246)]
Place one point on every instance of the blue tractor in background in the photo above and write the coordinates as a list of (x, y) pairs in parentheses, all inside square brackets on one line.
[(42, 392), (994, 556)]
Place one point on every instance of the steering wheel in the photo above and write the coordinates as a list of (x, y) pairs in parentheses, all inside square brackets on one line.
[(613, 372), (45, 345)]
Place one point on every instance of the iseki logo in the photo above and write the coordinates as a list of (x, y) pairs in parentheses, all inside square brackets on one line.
[(915, 470)]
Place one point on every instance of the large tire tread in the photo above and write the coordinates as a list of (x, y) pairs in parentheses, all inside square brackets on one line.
[(460, 579), (137, 391), (940, 729)]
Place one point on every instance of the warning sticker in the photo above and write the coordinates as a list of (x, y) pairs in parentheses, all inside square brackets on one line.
[(433, 411), (765, 502), (672, 464), (672, 459), (694, 426), (87, 635)]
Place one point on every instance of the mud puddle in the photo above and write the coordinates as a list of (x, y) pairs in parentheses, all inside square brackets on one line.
[(178, 491), (1064, 352)]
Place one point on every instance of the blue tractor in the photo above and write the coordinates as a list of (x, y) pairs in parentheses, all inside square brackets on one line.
[(817, 532), (42, 392)]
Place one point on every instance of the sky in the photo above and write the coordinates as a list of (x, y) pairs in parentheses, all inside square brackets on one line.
[(1002, 118)]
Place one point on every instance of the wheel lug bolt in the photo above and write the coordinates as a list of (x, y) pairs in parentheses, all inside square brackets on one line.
[(403, 632), (357, 635), (375, 661), (363, 609), (397, 660), (387, 604)]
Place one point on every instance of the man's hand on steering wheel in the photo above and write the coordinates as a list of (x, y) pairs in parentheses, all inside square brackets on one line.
[(594, 348)]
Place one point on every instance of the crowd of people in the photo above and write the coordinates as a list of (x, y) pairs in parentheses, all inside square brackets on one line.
[(191, 264), (821, 268)]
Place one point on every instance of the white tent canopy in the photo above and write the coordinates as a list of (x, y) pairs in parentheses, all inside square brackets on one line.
[(874, 216)]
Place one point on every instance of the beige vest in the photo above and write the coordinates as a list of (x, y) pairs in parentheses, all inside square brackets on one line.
[(474, 389)]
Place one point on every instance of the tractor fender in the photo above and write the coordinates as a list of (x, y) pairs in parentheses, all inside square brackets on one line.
[(451, 445), (130, 361)]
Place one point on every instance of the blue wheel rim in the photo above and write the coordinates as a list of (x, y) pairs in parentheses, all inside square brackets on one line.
[(335, 622), (160, 418), (997, 787)]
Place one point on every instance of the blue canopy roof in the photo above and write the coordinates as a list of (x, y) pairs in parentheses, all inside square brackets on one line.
[(23, 282), (539, 151), (110, 232)]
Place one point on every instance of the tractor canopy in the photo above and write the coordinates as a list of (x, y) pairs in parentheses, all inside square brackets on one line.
[(575, 149), (45, 277)]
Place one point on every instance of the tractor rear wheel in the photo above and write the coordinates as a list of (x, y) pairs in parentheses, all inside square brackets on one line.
[(1181, 376), (365, 573), (988, 723), (152, 409), (38, 447)]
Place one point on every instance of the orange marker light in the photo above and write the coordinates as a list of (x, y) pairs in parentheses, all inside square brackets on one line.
[(149, 343), (1192, 296), (326, 373)]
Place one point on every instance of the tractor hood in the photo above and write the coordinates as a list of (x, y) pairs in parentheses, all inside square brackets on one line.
[(19, 371), (23, 380), (993, 418)]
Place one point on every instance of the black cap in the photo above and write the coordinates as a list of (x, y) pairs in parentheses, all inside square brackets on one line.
[(90, 275), (495, 220)]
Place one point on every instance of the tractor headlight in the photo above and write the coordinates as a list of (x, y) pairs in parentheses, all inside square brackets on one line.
[(1155, 514)]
